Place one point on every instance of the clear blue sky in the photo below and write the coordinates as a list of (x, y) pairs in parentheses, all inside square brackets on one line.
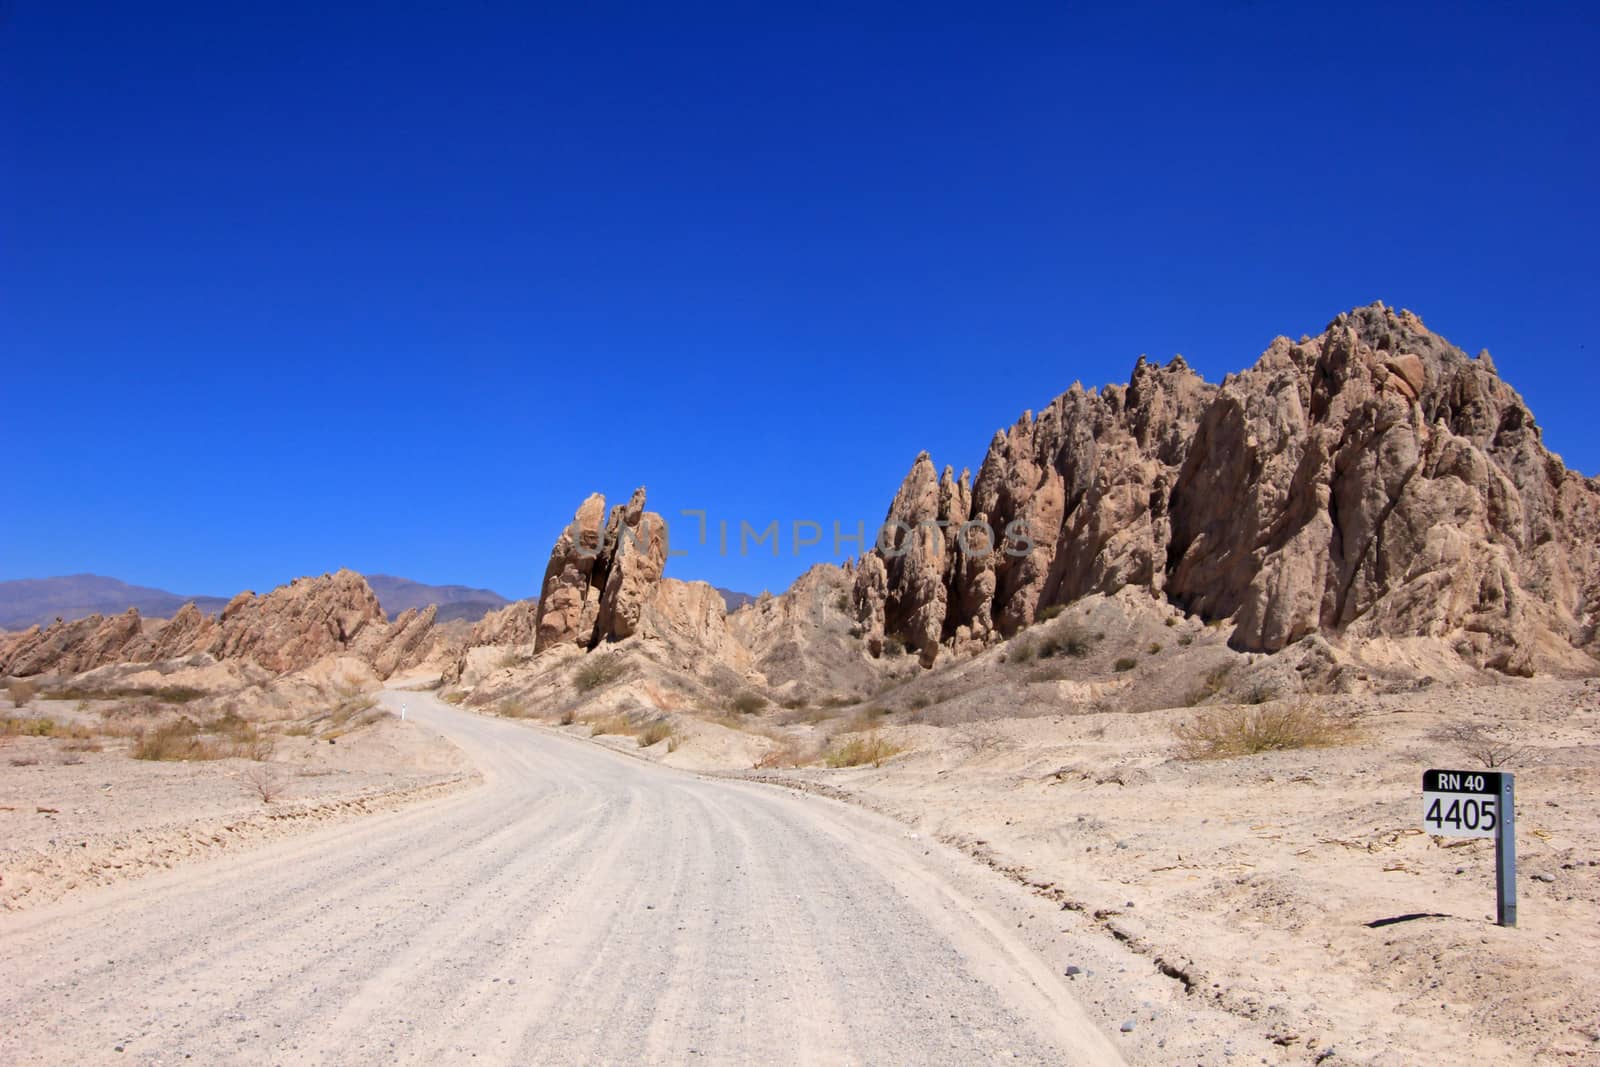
[(394, 286)]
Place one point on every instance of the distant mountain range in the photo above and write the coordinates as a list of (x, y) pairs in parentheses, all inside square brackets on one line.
[(734, 600), (41, 601), (27, 602), (455, 601)]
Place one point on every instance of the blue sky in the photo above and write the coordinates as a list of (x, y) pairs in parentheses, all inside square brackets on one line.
[(395, 286)]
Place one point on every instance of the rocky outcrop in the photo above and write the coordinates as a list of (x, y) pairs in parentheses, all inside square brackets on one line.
[(1372, 482), (599, 578), (297, 624), (403, 643), (511, 626), (188, 631), (288, 629), (70, 647)]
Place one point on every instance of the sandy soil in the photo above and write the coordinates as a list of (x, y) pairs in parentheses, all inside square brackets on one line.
[(1296, 890), (72, 819), (579, 907)]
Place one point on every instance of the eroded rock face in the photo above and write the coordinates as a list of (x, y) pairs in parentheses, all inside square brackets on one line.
[(599, 578), (71, 646), (1372, 482), (296, 624)]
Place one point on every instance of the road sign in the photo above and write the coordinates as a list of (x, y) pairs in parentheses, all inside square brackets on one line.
[(1478, 804), (1461, 803)]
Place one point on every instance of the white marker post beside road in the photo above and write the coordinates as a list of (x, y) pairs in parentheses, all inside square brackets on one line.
[(1478, 804)]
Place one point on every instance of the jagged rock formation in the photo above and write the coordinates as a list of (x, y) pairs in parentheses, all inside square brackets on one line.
[(299, 623), (511, 626), (1373, 482), (804, 643), (598, 580), (288, 629)]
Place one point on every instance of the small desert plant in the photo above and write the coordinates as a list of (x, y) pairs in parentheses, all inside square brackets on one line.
[(1186, 640), (512, 709), (1126, 664), (568, 716), (1155, 648), (859, 749), (749, 703), (1171, 621), (785, 754), (613, 724), (1021, 652), (596, 671), (842, 603), (1213, 684), (1225, 732), (893, 646), (21, 692), (921, 701), (655, 732), (1260, 693), (1475, 742), (264, 782), (27, 727), (1071, 641), (178, 740), (1049, 612)]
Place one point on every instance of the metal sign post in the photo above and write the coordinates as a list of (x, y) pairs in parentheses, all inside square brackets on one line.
[(1478, 804), (1505, 854)]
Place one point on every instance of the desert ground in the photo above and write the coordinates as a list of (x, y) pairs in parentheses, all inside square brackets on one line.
[(574, 907), (1039, 888)]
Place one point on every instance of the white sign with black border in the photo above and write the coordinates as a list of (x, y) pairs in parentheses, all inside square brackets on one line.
[(1478, 804), (1461, 803)]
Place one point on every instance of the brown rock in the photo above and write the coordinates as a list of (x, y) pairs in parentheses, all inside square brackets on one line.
[(598, 580), (1372, 482)]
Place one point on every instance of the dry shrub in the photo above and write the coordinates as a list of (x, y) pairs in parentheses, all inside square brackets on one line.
[(859, 749), (13, 727), (1049, 612), (613, 724), (21, 692), (1072, 641), (265, 782), (1214, 682), (656, 732), (176, 740), (1487, 746), (748, 703), (568, 716), (596, 671), (1228, 732), (1126, 664), (786, 753)]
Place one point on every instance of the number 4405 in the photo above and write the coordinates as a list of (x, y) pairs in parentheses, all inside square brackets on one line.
[(1466, 814)]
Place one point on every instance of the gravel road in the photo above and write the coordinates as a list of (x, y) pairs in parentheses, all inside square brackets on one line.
[(581, 907)]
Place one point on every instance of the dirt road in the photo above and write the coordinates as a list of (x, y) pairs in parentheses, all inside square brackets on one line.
[(578, 907)]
